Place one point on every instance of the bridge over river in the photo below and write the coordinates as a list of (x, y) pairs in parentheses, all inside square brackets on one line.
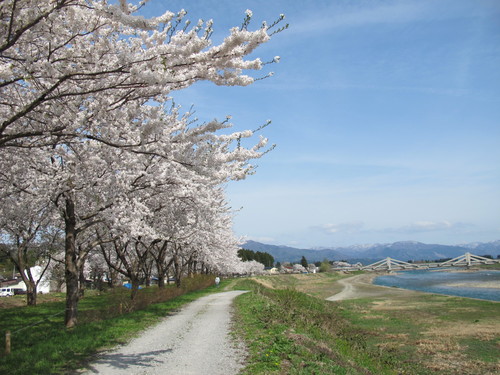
[(390, 264)]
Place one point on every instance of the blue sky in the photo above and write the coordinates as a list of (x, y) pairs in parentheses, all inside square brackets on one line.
[(386, 116)]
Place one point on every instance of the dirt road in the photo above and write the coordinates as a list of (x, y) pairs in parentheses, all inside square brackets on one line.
[(360, 286), (193, 341)]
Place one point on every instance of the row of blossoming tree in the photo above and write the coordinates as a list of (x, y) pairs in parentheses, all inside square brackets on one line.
[(98, 167)]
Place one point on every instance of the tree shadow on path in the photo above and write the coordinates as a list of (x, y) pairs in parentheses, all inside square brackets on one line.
[(120, 361)]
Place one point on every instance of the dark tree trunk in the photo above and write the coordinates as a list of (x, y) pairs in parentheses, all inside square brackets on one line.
[(148, 267), (178, 271), (163, 272), (31, 298), (72, 273), (161, 281), (190, 267), (30, 293), (21, 264), (113, 277), (81, 286), (27, 277), (135, 288), (159, 254)]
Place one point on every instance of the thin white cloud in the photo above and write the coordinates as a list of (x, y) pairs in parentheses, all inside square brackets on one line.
[(429, 226), (305, 84), (357, 14), (416, 227), (426, 226), (261, 239), (348, 228)]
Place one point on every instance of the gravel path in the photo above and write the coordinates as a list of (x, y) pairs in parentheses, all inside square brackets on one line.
[(360, 286), (347, 292), (193, 341)]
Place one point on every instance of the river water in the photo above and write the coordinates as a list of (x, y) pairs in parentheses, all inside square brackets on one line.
[(471, 284)]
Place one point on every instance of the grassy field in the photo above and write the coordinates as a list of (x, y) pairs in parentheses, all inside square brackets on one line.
[(291, 331), (41, 344), (432, 333)]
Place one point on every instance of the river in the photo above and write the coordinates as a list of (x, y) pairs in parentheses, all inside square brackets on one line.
[(484, 284)]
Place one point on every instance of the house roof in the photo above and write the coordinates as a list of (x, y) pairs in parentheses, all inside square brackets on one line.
[(11, 282)]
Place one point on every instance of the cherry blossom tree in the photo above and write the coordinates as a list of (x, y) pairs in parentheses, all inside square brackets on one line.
[(86, 122), (67, 63), (180, 211), (252, 267), (29, 237)]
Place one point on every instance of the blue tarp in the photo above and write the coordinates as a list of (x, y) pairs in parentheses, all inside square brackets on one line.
[(129, 286)]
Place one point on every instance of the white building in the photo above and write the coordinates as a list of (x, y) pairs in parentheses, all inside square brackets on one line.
[(43, 284)]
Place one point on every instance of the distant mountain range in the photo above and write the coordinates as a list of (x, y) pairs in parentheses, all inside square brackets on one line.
[(405, 250)]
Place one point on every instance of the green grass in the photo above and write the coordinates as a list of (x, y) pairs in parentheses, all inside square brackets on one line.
[(48, 348), (482, 350), (431, 333), (495, 266), (289, 332)]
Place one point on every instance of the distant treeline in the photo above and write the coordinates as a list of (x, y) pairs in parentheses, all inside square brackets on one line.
[(265, 258)]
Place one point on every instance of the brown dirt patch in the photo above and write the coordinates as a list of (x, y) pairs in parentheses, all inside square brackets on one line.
[(457, 363), (264, 282), (434, 346), (481, 331)]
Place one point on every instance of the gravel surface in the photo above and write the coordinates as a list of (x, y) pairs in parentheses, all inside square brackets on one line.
[(195, 340)]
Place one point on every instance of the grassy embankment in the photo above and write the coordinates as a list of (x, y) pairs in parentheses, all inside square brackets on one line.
[(291, 331), (48, 348)]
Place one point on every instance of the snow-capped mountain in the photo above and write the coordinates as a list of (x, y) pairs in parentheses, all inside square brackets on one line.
[(481, 246), (404, 250)]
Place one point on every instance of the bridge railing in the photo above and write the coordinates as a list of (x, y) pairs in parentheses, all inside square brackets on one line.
[(390, 264)]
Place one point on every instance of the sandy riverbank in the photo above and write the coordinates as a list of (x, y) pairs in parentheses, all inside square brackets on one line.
[(479, 284), (361, 286)]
